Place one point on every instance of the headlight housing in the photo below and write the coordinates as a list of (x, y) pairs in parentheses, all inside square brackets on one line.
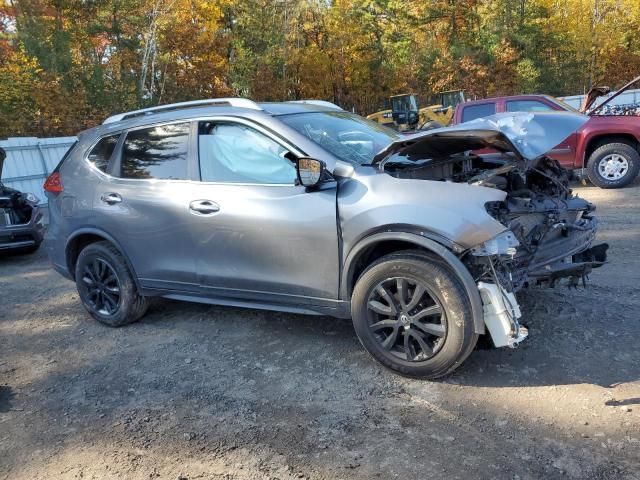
[(504, 243)]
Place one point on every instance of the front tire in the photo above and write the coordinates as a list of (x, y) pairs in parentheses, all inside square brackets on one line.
[(613, 165), (106, 286), (412, 314)]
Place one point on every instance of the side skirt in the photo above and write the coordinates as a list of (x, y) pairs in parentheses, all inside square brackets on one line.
[(334, 308)]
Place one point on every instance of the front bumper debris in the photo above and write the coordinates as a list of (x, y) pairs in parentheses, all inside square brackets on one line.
[(501, 314), (575, 268)]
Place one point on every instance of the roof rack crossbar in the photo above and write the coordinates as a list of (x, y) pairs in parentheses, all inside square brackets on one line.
[(233, 102)]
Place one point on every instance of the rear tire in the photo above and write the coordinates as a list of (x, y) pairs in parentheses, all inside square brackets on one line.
[(106, 286), (422, 327), (613, 165)]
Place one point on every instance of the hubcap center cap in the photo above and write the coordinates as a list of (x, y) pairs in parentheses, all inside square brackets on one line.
[(404, 320)]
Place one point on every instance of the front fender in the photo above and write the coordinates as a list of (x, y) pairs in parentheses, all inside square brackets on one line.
[(454, 211), (427, 244)]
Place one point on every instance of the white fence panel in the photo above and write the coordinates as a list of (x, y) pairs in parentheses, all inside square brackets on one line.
[(30, 160), (630, 97)]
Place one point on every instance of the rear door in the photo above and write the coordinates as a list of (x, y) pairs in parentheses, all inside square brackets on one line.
[(257, 233), (142, 202)]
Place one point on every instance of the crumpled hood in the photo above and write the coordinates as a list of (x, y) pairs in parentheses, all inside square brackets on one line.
[(527, 135)]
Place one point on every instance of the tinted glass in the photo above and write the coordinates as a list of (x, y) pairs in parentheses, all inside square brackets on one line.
[(527, 106), (347, 136), (471, 112), (235, 153), (101, 153), (158, 152)]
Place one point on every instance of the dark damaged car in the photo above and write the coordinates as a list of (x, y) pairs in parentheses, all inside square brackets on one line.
[(306, 208), (21, 223)]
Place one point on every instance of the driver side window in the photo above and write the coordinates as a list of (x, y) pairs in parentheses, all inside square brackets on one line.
[(235, 153)]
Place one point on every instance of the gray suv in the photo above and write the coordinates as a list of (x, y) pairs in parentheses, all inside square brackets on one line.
[(421, 239)]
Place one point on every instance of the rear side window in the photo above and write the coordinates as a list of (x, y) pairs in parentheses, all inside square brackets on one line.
[(527, 106), (102, 152), (471, 112), (158, 152)]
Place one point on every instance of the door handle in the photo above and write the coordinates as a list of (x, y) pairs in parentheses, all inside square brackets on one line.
[(204, 207), (111, 198)]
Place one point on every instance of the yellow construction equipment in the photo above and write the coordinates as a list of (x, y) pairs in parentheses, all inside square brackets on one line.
[(405, 114)]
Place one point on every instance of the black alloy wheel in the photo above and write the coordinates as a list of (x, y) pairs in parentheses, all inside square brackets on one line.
[(107, 287), (412, 314), (102, 287), (406, 319)]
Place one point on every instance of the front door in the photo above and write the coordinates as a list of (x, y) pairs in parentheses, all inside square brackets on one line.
[(257, 233)]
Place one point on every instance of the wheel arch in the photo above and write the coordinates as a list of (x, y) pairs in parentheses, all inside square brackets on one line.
[(597, 141), (86, 236), (377, 245)]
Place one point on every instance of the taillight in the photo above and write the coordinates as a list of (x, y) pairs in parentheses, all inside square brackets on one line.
[(53, 184)]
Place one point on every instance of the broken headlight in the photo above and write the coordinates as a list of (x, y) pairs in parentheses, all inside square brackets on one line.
[(504, 243)]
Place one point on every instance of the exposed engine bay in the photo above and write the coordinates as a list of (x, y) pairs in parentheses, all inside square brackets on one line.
[(551, 229), (21, 222)]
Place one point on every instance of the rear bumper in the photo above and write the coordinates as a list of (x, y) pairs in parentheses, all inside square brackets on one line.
[(14, 237)]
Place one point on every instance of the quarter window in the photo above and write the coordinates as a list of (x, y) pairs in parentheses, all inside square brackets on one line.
[(101, 153), (235, 153), (471, 112), (527, 106), (158, 152)]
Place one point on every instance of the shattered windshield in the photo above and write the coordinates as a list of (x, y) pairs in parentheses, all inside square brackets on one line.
[(347, 136)]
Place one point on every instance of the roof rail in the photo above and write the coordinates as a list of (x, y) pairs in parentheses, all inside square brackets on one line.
[(233, 102), (322, 103)]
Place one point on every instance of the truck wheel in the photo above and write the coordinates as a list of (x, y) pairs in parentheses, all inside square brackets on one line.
[(613, 165), (106, 287), (412, 314)]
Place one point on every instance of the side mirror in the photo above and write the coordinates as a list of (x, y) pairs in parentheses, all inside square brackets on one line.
[(310, 171)]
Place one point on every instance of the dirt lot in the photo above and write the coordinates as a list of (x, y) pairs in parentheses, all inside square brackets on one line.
[(195, 391)]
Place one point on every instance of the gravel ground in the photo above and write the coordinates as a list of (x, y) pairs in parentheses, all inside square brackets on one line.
[(202, 392)]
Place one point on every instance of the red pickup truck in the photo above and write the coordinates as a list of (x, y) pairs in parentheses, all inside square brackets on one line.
[(606, 148)]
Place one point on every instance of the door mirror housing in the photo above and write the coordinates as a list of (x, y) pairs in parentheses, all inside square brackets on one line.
[(311, 172)]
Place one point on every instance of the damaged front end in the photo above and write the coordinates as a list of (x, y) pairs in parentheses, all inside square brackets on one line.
[(21, 221), (549, 231), (548, 241)]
